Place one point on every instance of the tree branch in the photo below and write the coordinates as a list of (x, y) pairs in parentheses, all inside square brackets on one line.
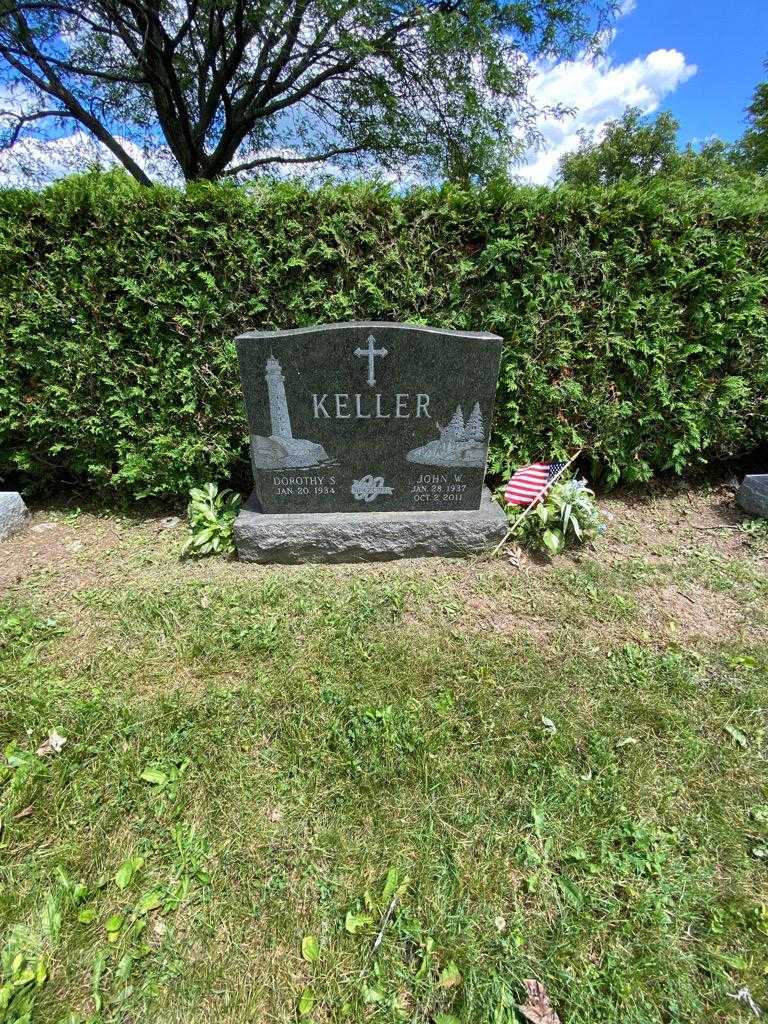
[(52, 86), (22, 119), (249, 165)]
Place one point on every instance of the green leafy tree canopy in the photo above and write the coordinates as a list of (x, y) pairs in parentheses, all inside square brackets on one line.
[(636, 147), (631, 147), (235, 87), (753, 147)]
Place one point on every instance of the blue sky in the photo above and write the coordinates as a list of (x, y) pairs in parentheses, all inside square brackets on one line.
[(727, 42), (699, 59)]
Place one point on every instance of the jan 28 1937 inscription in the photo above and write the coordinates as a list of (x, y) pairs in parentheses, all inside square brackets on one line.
[(368, 416)]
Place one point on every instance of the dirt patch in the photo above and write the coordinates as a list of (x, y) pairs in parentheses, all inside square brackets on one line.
[(71, 552), (695, 612), (42, 547), (65, 550), (663, 519), (485, 614)]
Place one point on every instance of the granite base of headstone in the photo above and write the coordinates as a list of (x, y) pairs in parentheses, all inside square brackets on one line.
[(13, 513), (752, 496), (368, 441), (365, 536)]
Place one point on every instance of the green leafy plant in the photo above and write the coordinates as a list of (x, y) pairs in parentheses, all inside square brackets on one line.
[(567, 517), (18, 990), (212, 514), (756, 528)]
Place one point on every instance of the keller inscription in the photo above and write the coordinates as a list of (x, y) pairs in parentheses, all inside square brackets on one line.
[(366, 416)]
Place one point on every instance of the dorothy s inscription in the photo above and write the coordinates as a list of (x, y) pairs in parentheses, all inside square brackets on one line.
[(386, 417)]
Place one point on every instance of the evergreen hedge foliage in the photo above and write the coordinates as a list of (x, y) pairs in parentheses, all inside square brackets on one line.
[(635, 320)]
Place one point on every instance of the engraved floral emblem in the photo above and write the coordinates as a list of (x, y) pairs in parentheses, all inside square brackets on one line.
[(369, 487)]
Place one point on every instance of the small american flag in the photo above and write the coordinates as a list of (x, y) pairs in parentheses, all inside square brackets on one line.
[(531, 482)]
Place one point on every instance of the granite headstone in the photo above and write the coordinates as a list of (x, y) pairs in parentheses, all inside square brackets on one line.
[(13, 513), (753, 494), (365, 416), (368, 441)]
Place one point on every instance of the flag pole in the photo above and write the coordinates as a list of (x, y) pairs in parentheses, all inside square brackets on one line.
[(550, 483)]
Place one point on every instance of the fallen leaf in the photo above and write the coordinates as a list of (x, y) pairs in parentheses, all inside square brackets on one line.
[(113, 925), (23, 813), (373, 995), (149, 901), (353, 922), (310, 949), (734, 733), (53, 745), (390, 885), (537, 1009), (500, 923), (127, 870), (306, 1003), (514, 556), (450, 976)]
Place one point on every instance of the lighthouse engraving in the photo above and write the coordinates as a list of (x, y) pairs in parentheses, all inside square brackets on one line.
[(278, 402), (281, 450)]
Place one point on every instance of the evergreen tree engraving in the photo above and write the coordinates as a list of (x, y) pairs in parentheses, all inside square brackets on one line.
[(455, 429), (461, 443), (475, 430)]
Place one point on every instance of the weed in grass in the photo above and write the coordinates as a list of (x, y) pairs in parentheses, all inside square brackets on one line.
[(756, 528)]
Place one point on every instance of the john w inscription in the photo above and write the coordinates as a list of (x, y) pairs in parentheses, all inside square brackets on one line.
[(369, 416)]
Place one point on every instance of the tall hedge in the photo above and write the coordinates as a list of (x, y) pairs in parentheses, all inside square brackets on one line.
[(635, 320)]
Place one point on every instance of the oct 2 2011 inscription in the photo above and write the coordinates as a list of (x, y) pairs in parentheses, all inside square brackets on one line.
[(368, 416)]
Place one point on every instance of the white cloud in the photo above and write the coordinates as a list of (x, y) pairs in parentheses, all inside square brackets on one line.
[(597, 90), (34, 161)]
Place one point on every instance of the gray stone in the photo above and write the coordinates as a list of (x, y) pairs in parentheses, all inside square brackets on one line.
[(753, 494), (366, 536), (169, 523), (13, 513), (384, 417)]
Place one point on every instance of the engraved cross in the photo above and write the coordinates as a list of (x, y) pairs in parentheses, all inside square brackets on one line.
[(371, 352)]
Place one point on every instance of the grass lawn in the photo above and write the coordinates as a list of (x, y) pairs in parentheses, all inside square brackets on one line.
[(562, 767)]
